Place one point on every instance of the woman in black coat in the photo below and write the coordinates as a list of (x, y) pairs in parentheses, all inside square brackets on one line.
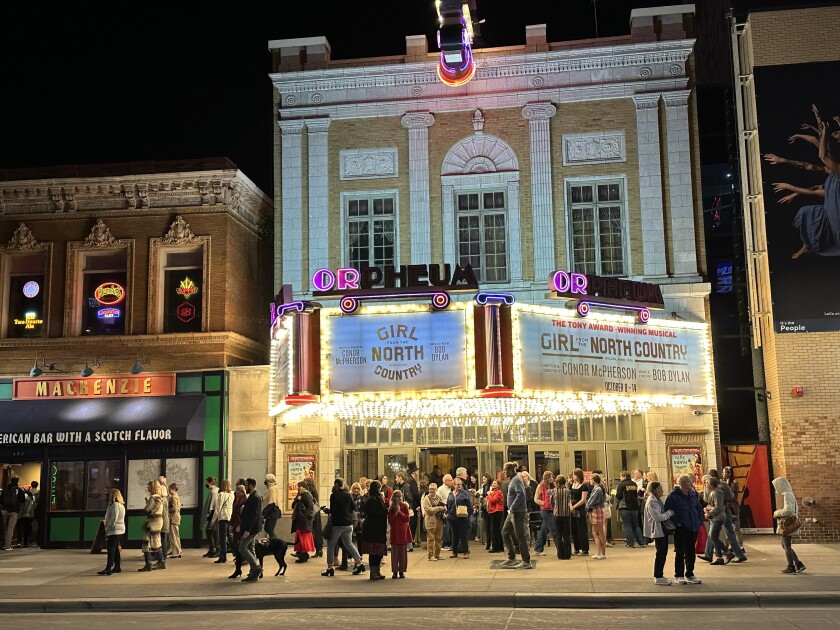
[(302, 517), (374, 529)]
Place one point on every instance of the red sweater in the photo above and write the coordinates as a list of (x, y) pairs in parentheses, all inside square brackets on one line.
[(495, 501), (400, 530)]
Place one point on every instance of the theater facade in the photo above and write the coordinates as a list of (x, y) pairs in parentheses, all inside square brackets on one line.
[(512, 269)]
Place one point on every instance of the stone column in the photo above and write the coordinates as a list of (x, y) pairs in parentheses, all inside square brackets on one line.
[(319, 217), (418, 124), (291, 187), (680, 183), (450, 234), (650, 185), (542, 207)]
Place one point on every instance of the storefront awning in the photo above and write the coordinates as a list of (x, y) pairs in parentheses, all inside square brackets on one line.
[(102, 420)]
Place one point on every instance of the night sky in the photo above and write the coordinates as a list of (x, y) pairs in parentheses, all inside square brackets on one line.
[(188, 80)]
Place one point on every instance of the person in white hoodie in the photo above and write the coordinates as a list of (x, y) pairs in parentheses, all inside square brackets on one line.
[(114, 530), (789, 508), (221, 518)]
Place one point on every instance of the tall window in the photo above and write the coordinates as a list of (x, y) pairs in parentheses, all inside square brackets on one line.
[(104, 293), (596, 210), (26, 299), (482, 234), (183, 290), (371, 231)]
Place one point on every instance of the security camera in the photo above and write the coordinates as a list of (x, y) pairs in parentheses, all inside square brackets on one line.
[(696, 412), (283, 426)]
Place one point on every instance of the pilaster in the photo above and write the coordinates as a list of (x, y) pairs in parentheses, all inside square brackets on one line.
[(418, 124), (542, 207), (291, 186)]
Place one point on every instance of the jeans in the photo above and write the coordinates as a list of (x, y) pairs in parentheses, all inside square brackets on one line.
[(563, 542), (345, 534), (162, 553), (473, 533), (246, 550), (447, 533), (26, 531), (513, 533), (792, 559), (113, 545), (661, 555), (580, 532), (630, 519), (684, 540), (547, 527), (224, 528), (720, 548), (460, 535)]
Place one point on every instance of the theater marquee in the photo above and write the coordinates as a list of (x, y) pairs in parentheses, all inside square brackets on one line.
[(568, 354), (94, 387), (394, 352)]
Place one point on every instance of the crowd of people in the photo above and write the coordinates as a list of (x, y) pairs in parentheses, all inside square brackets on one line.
[(507, 514)]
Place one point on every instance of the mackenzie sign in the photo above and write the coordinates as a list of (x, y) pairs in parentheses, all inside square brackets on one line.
[(94, 387), (394, 352), (560, 353)]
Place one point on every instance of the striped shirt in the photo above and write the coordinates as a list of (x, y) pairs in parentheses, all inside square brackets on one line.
[(562, 498)]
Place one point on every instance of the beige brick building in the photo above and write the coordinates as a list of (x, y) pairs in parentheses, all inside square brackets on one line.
[(579, 156), (802, 423)]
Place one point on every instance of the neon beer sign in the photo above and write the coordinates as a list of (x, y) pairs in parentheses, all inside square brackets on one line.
[(109, 293), (187, 288)]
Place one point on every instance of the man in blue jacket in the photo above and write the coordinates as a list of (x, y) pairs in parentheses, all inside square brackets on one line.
[(688, 517), (250, 525)]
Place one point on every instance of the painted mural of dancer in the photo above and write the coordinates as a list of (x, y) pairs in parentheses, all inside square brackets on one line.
[(818, 225)]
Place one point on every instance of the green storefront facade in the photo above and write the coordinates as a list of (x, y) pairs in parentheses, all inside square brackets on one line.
[(187, 444)]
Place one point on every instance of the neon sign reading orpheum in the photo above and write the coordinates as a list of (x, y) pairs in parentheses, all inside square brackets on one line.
[(353, 286), (617, 293)]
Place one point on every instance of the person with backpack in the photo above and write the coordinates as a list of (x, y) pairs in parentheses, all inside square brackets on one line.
[(12, 501), (303, 514)]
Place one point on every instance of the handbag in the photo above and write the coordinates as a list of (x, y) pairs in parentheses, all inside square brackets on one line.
[(607, 511), (702, 536), (789, 525), (327, 531), (461, 511), (668, 527)]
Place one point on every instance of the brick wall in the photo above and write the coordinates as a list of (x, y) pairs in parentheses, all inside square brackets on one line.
[(802, 430)]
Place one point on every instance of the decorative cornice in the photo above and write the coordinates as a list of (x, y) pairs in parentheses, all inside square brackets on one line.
[(23, 241), (539, 111), (179, 233), (417, 120), (291, 127), (677, 98), (100, 237), (647, 101), (488, 67)]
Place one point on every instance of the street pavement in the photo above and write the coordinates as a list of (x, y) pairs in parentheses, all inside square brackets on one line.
[(35, 580)]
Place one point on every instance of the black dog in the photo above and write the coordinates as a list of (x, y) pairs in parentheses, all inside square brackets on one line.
[(272, 547)]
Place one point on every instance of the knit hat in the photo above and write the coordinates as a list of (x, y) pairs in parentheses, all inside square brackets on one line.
[(270, 478)]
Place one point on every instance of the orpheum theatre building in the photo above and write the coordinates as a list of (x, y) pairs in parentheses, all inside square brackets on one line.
[(510, 269)]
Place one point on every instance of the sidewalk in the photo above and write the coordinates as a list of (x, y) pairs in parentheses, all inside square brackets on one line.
[(35, 580)]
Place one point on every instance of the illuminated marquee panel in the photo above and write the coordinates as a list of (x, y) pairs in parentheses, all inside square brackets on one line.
[(408, 358), (610, 358)]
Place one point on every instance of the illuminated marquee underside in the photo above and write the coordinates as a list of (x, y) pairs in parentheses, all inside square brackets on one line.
[(468, 402)]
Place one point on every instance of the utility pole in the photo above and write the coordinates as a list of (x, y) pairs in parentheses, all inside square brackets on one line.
[(595, 10)]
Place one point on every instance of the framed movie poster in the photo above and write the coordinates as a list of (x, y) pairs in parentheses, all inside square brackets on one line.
[(686, 460), (299, 466)]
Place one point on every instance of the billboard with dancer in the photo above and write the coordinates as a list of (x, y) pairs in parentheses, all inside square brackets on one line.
[(799, 135)]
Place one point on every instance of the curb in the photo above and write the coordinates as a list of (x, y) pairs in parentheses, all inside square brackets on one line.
[(683, 600)]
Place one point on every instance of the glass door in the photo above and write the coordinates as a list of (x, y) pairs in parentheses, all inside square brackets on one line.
[(393, 461)]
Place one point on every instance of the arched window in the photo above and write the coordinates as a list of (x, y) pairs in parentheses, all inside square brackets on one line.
[(480, 193)]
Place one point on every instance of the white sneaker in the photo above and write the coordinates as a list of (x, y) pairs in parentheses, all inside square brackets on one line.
[(539, 553), (680, 580), (510, 563), (663, 581), (693, 580)]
